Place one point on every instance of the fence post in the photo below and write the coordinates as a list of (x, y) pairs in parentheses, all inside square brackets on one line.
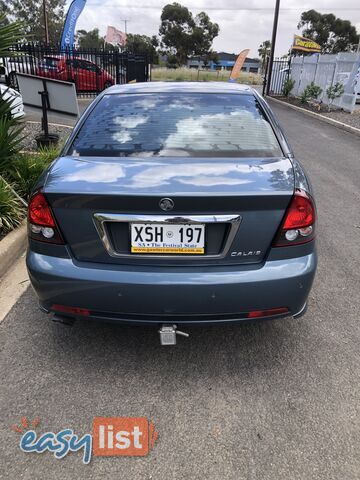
[(335, 70), (148, 69), (117, 67), (316, 68), (265, 76), (301, 73), (289, 67)]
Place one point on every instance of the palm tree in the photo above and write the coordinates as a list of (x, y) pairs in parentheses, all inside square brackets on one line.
[(10, 127), (264, 51), (10, 33)]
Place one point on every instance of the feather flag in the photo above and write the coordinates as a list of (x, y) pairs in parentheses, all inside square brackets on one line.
[(235, 72)]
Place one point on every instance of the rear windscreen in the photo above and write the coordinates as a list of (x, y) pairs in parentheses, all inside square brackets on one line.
[(176, 125)]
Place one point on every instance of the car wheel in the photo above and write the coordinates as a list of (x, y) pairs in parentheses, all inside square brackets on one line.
[(107, 85), (13, 83)]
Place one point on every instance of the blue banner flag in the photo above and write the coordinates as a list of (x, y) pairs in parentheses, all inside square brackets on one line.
[(67, 38)]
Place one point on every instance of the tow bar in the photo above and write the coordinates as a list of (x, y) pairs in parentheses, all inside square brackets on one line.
[(168, 334)]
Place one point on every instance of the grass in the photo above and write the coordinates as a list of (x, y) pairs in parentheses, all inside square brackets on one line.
[(11, 134), (193, 75), (11, 209), (25, 170)]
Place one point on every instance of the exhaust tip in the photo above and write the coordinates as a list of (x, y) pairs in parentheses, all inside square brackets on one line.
[(68, 321), (168, 334)]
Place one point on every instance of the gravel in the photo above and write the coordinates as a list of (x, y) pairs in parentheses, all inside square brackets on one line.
[(351, 119), (32, 129)]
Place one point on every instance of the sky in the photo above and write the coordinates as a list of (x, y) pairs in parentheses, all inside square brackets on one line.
[(243, 23)]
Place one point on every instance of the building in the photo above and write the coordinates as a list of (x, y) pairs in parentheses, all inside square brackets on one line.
[(226, 61)]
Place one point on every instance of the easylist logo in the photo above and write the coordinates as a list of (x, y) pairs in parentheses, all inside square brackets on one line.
[(111, 436)]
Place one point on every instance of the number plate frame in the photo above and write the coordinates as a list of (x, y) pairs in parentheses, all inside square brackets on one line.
[(102, 218)]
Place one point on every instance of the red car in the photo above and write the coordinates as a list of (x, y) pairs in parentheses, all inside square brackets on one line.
[(85, 74)]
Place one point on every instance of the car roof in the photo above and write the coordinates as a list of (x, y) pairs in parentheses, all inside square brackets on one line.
[(58, 58), (64, 57), (180, 87)]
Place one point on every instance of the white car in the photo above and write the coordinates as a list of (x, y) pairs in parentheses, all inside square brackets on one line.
[(8, 93), (21, 64)]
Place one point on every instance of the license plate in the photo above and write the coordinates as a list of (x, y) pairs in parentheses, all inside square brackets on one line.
[(167, 238)]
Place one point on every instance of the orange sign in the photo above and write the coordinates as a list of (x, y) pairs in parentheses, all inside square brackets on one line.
[(235, 72), (125, 436)]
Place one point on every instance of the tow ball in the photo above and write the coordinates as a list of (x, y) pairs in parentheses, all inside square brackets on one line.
[(168, 334)]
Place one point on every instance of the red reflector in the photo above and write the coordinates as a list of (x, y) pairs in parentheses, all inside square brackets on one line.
[(39, 211), (301, 212), (267, 313), (67, 309)]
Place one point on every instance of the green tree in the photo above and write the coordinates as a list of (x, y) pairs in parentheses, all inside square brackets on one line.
[(334, 92), (210, 56), (31, 13), (89, 39), (143, 45), (264, 52), (333, 34), (203, 34), (4, 11), (182, 35)]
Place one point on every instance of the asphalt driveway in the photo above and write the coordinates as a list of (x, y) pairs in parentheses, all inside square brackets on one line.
[(276, 400)]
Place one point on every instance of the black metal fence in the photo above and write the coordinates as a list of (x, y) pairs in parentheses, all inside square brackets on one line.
[(280, 73), (90, 70)]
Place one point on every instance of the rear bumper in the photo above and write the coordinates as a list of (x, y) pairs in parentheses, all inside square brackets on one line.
[(181, 295)]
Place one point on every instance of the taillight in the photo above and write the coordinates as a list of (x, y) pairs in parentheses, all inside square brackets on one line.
[(41, 222), (267, 313), (299, 223), (68, 309)]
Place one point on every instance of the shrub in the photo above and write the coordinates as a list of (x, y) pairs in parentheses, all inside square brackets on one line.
[(10, 135), (47, 155), (333, 92), (288, 86), (10, 129), (304, 96), (311, 92), (27, 168), (11, 210)]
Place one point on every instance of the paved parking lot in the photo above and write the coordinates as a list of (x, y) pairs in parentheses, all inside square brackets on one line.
[(276, 400)]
